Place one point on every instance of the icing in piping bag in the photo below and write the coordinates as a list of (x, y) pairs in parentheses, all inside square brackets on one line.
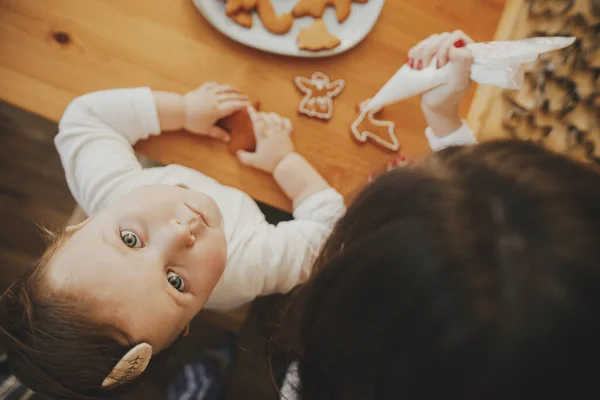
[(494, 63)]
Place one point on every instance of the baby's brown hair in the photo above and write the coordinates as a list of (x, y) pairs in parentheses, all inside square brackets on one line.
[(53, 345)]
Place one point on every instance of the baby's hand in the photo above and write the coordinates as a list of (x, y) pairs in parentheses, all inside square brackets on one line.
[(273, 141), (208, 104)]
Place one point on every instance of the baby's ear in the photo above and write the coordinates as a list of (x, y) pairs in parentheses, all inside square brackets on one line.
[(75, 228)]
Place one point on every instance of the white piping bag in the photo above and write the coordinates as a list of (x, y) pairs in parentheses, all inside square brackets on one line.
[(494, 63)]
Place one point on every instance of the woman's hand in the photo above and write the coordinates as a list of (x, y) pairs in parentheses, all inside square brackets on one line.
[(273, 141), (208, 104), (440, 105)]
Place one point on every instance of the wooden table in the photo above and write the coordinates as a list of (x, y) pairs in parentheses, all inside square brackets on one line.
[(54, 50)]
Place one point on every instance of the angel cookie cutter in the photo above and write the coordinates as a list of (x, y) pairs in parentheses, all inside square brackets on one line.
[(362, 136), (319, 93)]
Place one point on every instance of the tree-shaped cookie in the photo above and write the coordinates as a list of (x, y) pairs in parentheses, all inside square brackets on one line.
[(319, 93), (316, 37), (316, 8)]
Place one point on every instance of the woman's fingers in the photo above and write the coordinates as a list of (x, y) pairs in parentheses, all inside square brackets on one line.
[(421, 54), (438, 46), (429, 51), (462, 59), (456, 39), (442, 52)]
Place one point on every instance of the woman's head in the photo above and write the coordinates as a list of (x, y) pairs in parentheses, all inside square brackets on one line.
[(136, 272), (474, 274)]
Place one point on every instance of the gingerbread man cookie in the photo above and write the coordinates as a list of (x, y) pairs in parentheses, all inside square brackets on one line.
[(316, 37), (319, 93), (363, 135), (278, 25), (315, 8)]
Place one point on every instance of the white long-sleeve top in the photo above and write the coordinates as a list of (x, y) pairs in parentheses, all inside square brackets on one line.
[(462, 136), (95, 139)]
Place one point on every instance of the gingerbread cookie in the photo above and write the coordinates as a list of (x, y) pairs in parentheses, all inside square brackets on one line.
[(319, 93), (316, 37), (233, 7), (363, 135), (315, 8), (239, 125), (243, 18), (278, 25)]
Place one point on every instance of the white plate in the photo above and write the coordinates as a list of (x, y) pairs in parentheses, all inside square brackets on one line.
[(357, 26)]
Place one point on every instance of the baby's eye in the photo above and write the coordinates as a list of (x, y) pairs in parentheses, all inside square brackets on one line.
[(131, 240), (176, 281)]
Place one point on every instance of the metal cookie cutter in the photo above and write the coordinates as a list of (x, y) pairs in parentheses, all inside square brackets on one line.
[(549, 8), (522, 124), (566, 103), (595, 7), (579, 140), (579, 25), (540, 79), (534, 83)]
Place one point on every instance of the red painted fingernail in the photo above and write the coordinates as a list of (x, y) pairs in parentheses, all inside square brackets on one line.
[(420, 65), (459, 43), (411, 62), (438, 64), (406, 61)]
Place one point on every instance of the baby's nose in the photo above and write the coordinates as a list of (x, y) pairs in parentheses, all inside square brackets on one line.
[(183, 233)]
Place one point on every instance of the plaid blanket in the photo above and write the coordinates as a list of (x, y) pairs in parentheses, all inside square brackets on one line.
[(11, 388)]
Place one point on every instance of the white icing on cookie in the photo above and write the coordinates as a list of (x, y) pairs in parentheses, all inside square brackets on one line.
[(318, 105), (392, 145)]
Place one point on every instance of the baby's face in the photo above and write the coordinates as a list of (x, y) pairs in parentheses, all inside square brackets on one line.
[(148, 262)]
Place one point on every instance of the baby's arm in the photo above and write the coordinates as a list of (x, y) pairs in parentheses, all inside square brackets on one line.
[(275, 154), (97, 131), (276, 258)]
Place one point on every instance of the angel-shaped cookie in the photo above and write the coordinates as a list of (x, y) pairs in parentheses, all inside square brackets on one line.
[(319, 93), (362, 136)]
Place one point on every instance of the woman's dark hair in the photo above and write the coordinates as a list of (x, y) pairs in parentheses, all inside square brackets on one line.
[(473, 274), (53, 345)]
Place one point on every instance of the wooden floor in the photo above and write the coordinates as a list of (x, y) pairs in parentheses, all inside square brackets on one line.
[(33, 190)]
